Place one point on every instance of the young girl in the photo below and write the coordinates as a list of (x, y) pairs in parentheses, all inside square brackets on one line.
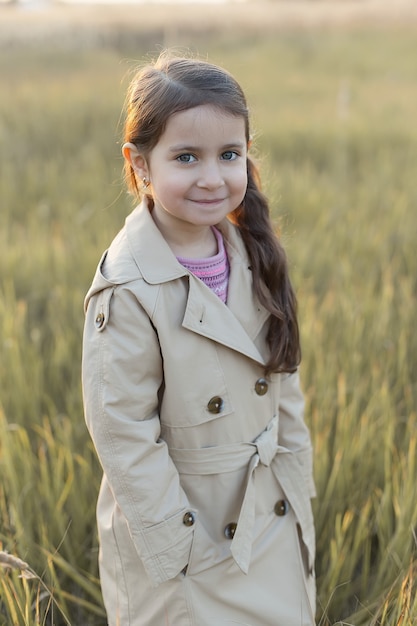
[(190, 380)]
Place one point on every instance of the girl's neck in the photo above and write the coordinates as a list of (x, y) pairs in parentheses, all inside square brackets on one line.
[(190, 243)]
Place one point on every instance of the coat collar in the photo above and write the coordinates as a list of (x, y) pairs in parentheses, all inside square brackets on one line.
[(155, 259), (237, 324)]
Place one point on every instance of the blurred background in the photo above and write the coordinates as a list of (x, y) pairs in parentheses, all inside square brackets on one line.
[(332, 88)]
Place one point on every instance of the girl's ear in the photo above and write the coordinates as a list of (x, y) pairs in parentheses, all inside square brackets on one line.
[(136, 160)]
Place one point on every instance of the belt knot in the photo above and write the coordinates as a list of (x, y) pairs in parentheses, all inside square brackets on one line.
[(267, 442)]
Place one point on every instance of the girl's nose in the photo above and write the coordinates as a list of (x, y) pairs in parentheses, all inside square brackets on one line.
[(210, 176)]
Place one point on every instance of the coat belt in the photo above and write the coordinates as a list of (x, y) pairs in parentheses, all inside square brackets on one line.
[(231, 457)]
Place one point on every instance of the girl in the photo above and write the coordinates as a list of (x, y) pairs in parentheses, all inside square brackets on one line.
[(190, 380)]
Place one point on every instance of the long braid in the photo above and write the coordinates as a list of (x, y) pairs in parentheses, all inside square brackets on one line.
[(270, 276)]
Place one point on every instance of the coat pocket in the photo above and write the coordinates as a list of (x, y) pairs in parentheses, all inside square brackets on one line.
[(289, 474), (205, 553)]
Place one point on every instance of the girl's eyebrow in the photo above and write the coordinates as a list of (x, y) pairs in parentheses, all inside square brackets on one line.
[(184, 148)]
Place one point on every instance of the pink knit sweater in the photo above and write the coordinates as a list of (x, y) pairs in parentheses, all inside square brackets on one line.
[(214, 270)]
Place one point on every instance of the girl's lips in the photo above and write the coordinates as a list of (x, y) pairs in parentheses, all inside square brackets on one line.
[(211, 201)]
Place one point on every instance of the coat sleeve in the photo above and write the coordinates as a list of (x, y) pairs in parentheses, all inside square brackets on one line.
[(293, 432), (122, 375)]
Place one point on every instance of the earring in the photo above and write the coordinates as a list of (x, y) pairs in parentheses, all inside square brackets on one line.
[(145, 182)]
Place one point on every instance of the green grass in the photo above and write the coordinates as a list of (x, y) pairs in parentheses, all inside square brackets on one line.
[(334, 125)]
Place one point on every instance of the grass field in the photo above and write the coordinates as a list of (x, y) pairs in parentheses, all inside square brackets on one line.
[(334, 123)]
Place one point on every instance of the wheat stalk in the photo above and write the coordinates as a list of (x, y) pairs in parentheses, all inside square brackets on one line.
[(9, 561)]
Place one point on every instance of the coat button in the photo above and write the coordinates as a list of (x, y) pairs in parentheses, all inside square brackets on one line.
[(261, 386), (215, 405), (281, 508), (229, 531), (188, 519), (99, 321)]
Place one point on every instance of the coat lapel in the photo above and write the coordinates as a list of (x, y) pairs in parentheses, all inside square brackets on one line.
[(206, 315)]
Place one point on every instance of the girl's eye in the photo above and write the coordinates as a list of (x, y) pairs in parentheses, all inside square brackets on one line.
[(229, 155), (186, 158)]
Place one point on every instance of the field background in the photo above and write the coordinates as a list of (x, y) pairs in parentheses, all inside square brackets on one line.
[(333, 92)]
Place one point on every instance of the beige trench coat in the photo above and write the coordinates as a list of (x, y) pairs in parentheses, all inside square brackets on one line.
[(204, 511)]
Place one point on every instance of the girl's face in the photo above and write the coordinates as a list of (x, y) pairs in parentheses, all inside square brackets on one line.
[(197, 170)]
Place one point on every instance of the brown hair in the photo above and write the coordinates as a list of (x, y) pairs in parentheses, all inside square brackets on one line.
[(173, 84)]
